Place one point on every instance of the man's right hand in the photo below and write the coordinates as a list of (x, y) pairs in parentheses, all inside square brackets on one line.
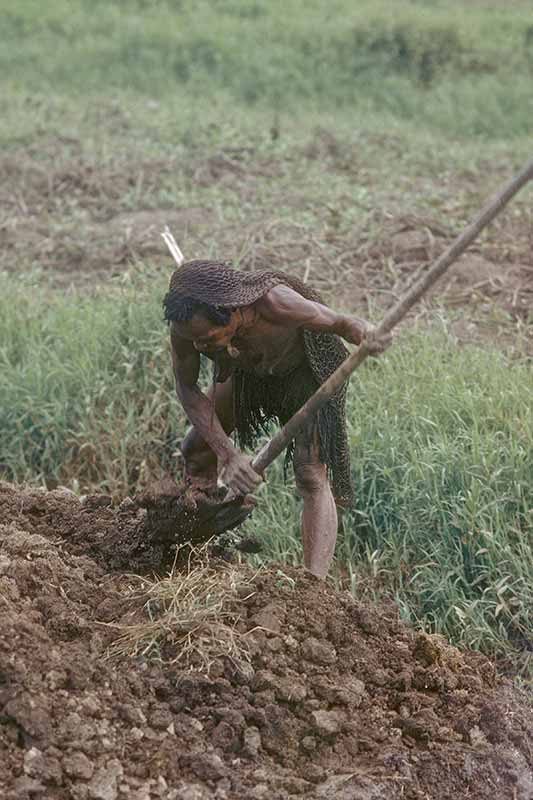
[(238, 474)]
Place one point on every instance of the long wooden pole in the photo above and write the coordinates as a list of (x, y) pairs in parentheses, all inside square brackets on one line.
[(282, 439)]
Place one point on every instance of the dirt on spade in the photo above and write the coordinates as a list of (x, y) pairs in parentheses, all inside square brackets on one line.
[(140, 534), (324, 698)]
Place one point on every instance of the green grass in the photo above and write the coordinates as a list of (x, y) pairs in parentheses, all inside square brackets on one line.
[(465, 69), (81, 386), (441, 442), (441, 446)]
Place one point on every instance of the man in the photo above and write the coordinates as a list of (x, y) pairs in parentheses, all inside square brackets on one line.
[(273, 343)]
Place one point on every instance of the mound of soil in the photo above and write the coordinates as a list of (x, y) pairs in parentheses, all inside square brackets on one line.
[(139, 535), (335, 700)]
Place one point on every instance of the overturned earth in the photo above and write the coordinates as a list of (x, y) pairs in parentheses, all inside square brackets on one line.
[(139, 534), (322, 697)]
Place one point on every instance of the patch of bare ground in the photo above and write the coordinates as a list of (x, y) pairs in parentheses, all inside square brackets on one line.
[(83, 222), (80, 220), (75, 219), (328, 698), (492, 282)]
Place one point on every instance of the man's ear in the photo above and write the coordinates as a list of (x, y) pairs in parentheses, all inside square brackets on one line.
[(236, 318), (244, 316)]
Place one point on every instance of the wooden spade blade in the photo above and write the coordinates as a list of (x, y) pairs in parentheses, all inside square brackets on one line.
[(176, 513)]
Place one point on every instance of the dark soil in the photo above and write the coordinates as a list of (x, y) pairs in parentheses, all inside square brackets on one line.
[(139, 535), (338, 700)]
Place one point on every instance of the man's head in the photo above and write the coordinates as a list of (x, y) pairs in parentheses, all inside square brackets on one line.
[(210, 327)]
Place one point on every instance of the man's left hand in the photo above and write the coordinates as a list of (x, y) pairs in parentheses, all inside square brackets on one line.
[(377, 344), (359, 330)]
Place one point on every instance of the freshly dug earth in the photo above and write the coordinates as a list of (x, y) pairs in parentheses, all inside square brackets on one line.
[(142, 533), (331, 698)]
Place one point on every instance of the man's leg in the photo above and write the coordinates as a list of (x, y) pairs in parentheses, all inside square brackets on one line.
[(319, 516), (200, 460)]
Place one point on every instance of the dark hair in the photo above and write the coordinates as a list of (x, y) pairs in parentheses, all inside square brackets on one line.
[(182, 309)]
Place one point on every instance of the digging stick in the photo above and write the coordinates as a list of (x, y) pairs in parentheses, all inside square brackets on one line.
[(282, 439)]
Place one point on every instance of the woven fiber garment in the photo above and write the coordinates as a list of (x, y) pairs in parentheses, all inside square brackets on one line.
[(260, 400)]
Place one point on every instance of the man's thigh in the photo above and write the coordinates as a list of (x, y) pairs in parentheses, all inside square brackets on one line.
[(224, 407)]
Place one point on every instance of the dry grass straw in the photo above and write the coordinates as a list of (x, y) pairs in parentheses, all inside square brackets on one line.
[(190, 617)]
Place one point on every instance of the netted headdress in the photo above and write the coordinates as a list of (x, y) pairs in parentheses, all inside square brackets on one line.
[(217, 283)]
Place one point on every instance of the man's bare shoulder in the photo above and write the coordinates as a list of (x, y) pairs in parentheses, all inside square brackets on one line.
[(281, 299)]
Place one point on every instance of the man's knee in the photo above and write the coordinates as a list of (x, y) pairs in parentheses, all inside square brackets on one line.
[(190, 444), (310, 478), (310, 473), (197, 454)]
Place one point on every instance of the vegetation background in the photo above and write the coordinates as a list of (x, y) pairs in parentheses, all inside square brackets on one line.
[(294, 135)]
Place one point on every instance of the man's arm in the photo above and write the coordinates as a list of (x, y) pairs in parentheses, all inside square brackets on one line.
[(236, 469), (198, 408), (284, 306)]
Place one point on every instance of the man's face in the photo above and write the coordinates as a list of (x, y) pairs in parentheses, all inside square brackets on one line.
[(207, 336)]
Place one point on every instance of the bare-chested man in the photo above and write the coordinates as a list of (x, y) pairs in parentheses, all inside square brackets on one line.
[(273, 342)]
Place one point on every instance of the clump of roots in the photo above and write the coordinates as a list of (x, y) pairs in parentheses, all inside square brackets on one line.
[(190, 617)]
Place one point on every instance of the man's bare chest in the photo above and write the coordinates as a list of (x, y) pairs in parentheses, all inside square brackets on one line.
[(268, 349)]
